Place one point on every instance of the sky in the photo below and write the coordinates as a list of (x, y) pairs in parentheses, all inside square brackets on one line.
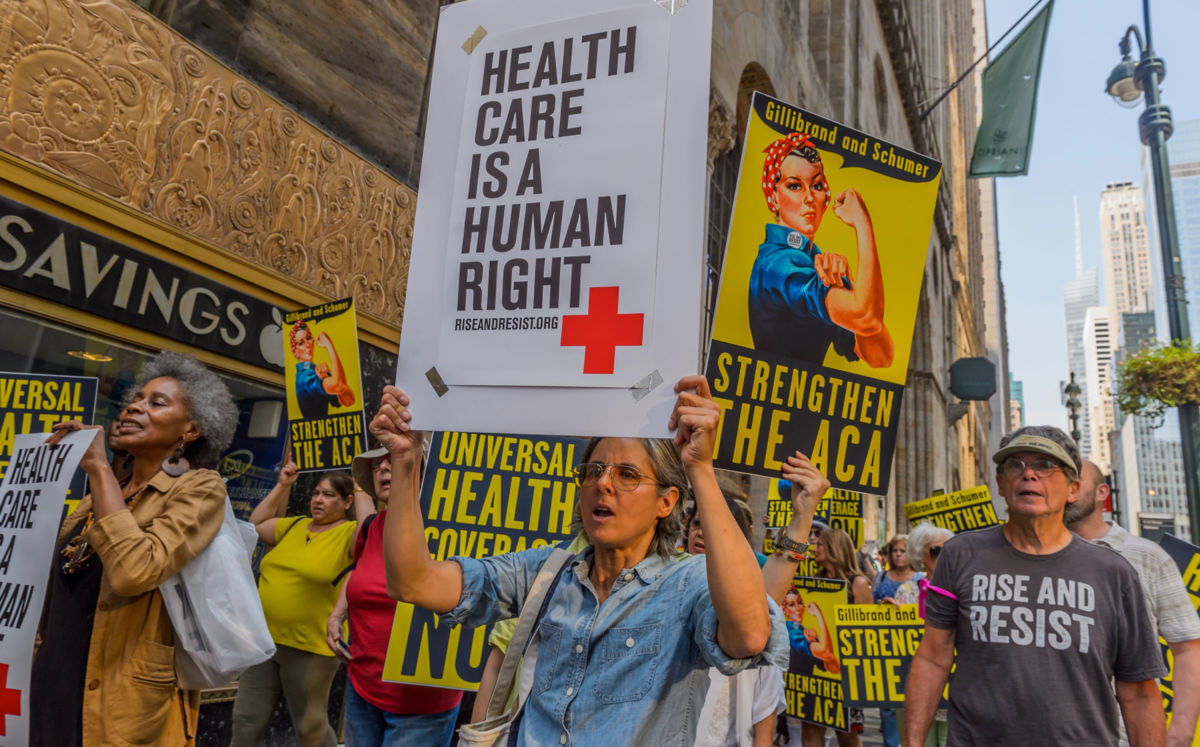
[(1082, 141)]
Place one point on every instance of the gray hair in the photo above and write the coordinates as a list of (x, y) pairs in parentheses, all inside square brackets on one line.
[(669, 470), (207, 398), (923, 535), (1058, 436)]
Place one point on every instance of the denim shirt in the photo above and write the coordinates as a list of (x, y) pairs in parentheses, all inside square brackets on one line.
[(631, 671)]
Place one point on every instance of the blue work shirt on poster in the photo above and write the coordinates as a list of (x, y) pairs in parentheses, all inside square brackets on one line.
[(311, 396), (788, 316), (631, 671)]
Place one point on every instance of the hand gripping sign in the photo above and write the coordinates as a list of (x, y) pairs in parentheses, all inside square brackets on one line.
[(554, 279)]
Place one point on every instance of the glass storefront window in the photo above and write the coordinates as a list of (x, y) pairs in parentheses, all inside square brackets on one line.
[(31, 344)]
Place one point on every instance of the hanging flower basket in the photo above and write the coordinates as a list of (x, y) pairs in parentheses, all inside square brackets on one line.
[(1159, 378)]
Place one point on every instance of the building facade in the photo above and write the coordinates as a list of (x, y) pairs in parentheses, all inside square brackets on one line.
[(1183, 155), (1097, 358)]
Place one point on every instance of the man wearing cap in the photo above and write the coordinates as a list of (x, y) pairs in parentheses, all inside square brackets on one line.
[(1035, 614), (1170, 608)]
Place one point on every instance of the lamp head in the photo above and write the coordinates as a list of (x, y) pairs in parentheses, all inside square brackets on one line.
[(1122, 85)]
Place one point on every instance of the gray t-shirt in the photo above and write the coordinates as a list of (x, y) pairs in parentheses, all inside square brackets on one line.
[(1038, 638)]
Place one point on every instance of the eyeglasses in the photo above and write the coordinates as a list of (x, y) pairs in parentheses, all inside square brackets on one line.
[(900, 550), (1013, 466), (381, 464), (935, 551), (623, 477)]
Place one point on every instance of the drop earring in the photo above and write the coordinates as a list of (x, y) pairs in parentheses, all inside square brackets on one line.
[(175, 465)]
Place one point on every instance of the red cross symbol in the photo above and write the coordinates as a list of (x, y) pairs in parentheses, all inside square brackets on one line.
[(10, 700), (601, 330)]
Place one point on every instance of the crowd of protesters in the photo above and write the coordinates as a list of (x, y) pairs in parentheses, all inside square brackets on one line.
[(658, 623)]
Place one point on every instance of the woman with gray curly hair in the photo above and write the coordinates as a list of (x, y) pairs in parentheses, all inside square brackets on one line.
[(105, 670), (925, 544), (626, 635)]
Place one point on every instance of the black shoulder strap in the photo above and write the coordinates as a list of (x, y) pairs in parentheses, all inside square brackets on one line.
[(365, 526)]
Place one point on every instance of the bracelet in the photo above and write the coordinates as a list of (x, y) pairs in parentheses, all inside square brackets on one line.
[(785, 545)]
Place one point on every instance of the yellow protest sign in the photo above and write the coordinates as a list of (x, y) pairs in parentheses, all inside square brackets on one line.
[(33, 403), (813, 683), (808, 351), (324, 386), (958, 511), (482, 495), (876, 644)]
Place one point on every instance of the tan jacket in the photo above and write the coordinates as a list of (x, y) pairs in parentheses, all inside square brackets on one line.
[(130, 695)]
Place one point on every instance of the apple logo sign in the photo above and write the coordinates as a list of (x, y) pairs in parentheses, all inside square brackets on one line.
[(270, 340)]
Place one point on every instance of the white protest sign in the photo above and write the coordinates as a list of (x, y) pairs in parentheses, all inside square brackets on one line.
[(554, 284), (31, 501)]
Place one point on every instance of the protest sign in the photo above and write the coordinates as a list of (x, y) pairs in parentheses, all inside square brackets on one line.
[(958, 511), (1187, 558), (553, 282), (31, 500), (33, 403), (805, 354), (841, 509), (876, 644), (482, 495), (324, 386), (813, 683)]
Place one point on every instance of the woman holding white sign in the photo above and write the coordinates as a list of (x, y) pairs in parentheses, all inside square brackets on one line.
[(105, 670), (626, 635)]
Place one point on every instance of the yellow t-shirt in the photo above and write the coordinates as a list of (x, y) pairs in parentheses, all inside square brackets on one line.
[(296, 581)]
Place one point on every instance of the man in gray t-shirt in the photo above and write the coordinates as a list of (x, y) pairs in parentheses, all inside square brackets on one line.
[(1041, 620)]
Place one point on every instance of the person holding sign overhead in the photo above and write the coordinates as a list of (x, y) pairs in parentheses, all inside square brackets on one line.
[(105, 670), (627, 634), (801, 300)]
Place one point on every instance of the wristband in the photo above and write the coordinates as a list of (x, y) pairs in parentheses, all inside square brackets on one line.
[(786, 545)]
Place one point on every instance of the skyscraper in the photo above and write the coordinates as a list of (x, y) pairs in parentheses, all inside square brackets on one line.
[(1183, 153), (1082, 293), (1098, 349), (1125, 246)]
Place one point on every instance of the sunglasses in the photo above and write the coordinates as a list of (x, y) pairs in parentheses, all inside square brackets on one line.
[(935, 551)]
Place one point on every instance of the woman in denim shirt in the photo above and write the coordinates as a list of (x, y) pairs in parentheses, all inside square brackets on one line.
[(628, 636)]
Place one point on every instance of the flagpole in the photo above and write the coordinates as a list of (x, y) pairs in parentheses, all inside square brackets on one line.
[(975, 64)]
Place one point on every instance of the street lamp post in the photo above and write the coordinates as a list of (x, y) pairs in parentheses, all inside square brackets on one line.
[(1127, 83), (1072, 391)]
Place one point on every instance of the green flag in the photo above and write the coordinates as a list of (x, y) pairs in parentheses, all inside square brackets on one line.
[(1010, 85)]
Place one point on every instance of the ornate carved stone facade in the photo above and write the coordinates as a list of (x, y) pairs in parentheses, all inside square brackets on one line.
[(105, 95)]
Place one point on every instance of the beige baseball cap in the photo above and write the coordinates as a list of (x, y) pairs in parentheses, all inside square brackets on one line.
[(1038, 444)]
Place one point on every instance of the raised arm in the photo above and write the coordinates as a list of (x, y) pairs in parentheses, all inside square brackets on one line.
[(734, 581), (412, 576), (808, 487), (336, 382), (860, 309), (926, 679), (269, 509), (364, 505)]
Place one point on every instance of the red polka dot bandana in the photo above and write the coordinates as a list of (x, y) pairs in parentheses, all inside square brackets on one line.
[(776, 152)]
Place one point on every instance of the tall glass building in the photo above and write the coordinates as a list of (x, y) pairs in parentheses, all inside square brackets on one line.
[(1183, 153)]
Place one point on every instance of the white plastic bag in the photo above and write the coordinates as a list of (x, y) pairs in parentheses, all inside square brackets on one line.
[(219, 626)]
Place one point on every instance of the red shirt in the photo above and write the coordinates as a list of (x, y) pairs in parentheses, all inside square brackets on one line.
[(371, 615)]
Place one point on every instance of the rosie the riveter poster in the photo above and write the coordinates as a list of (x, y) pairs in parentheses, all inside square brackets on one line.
[(819, 293)]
